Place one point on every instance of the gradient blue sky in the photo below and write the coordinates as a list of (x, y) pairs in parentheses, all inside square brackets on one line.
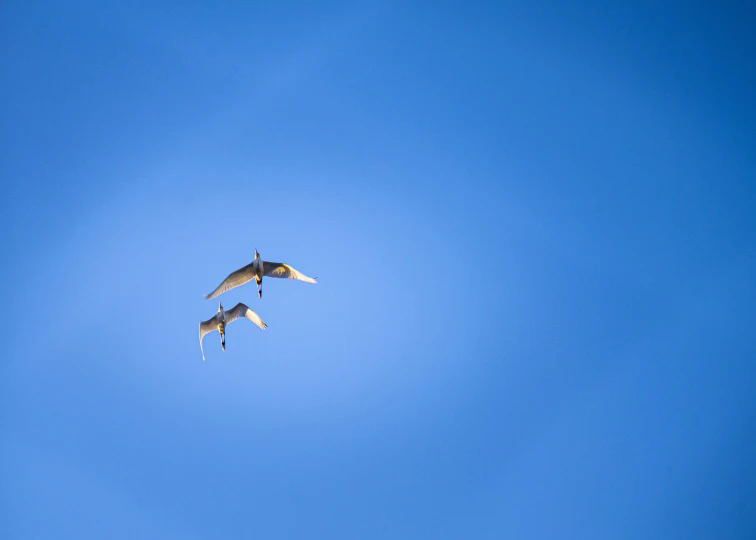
[(533, 227)]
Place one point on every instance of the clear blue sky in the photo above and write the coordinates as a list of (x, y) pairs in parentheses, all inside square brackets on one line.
[(533, 226)]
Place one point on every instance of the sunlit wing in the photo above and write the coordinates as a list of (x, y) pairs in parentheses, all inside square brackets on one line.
[(234, 279), (282, 270), (241, 310), (206, 327)]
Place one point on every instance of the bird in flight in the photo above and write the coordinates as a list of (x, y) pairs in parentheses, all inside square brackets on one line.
[(222, 318), (257, 269)]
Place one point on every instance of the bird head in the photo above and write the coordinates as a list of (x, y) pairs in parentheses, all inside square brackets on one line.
[(257, 255), (220, 307)]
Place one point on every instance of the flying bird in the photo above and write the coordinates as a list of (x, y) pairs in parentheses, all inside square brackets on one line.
[(222, 318), (257, 269)]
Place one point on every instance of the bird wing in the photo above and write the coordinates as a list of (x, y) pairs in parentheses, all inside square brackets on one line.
[(206, 327), (282, 270), (234, 279), (241, 310)]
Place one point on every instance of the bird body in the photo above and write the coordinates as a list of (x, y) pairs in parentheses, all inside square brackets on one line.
[(257, 269), (222, 328), (222, 318)]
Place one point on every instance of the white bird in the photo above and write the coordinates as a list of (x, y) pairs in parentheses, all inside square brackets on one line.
[(222, 318), (257, 269)]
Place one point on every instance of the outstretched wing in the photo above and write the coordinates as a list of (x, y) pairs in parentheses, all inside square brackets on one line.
[(207, 327), (234, 279), (282, 270), (241, 310)]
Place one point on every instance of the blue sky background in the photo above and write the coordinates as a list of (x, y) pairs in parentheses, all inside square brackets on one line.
[(533, 228)]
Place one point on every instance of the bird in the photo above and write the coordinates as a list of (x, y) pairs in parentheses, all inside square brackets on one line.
[(257, 269), (222, 318)]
